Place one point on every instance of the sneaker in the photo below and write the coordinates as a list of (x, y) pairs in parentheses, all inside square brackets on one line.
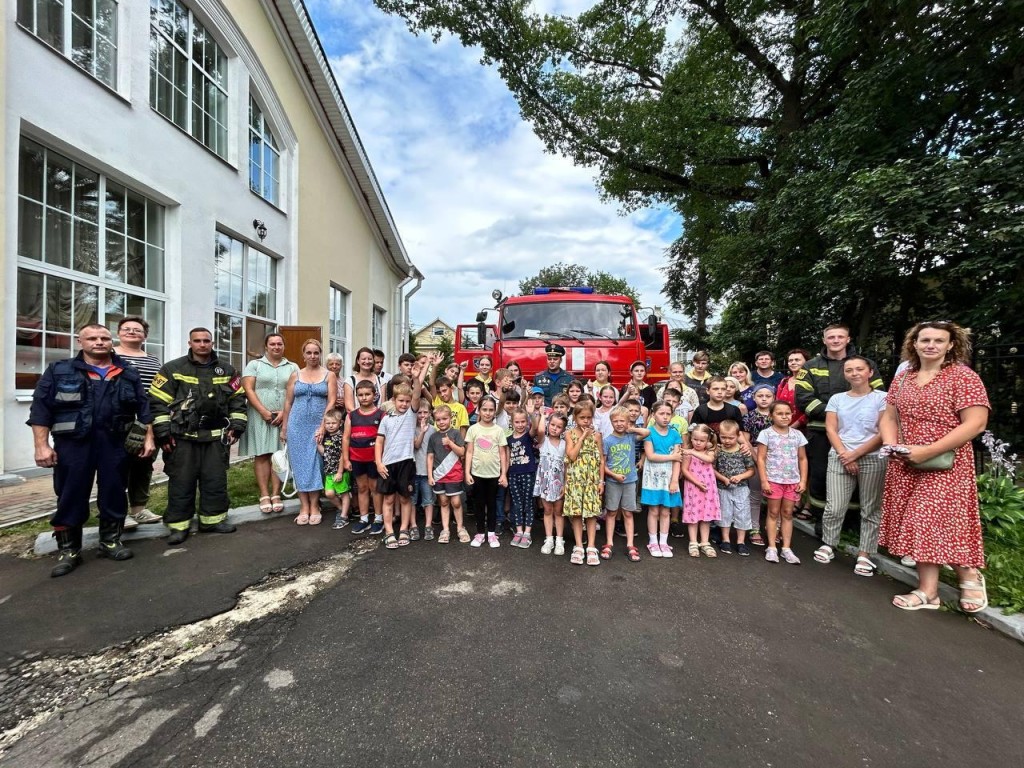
[(559, 546), (492, 540), (666, 550), (771, 555), (129, 523), (414, 533), (790, 556), (340, 522), (756, 539), (145, 516), (725, 548), (517, 540), (654, 549), (908, 561), (478, 540), (548, 546), (525, 541), (428, 533), (361, 527), (743, 550), (376, 529), (677, 530)]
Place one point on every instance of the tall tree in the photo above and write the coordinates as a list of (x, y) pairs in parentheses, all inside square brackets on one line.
[(831, 160), (570, 275)]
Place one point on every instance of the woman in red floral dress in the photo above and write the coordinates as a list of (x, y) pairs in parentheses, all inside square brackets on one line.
[(941, 405)]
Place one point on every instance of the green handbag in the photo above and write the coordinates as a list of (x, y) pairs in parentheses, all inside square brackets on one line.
[(941, 463)]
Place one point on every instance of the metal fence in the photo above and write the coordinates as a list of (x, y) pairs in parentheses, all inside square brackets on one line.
[(1001, 367)]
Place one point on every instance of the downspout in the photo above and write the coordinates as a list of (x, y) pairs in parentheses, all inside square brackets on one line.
[(400, 305), (419, 284)]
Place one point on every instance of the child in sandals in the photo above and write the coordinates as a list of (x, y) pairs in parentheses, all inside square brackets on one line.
[(584, 482), (659, 490), (700, 491), (445, 472), (620, 487)]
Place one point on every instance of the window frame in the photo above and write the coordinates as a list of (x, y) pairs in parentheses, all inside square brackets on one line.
[(339, 343), (378, 335), (262, 136), (221, 146), (66, 49), (106, 289), (243, 315)]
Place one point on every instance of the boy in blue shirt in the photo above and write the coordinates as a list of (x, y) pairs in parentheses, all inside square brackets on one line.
[(620, 470)]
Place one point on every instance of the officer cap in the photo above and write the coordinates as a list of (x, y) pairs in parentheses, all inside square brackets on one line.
[(555, 349)]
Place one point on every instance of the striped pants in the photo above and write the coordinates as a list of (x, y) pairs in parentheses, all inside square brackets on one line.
[(839, 487)]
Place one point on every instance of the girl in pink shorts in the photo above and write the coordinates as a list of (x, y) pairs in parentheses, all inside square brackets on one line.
[(782, 467)]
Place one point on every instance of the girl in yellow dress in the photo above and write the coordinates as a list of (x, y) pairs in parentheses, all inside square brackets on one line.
[(584, 482)]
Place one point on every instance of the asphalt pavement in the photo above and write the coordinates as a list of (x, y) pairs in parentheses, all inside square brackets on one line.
[(446, 655)]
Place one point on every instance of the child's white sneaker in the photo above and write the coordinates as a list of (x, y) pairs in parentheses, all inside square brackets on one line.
[(478, 540), (549, 545), (559, 545)]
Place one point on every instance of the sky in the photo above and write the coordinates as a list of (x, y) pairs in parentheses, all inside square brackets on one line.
[(477, 201)]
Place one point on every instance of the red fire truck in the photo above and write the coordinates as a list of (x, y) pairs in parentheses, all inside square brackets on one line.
[(590, 326)]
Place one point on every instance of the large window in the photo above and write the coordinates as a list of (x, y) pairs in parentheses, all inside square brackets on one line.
[(85, 31), (338, 322), (89, 250), (188, 74), (377, 329), (245, 281), (264, 156)]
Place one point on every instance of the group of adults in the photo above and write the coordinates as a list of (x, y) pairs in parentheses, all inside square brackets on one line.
[(108, 410)]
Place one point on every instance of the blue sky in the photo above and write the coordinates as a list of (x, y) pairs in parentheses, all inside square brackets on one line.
[(478, 202)]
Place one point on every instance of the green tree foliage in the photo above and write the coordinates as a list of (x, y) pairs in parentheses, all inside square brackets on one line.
[(570, 275), (851, 160), (446, 348)]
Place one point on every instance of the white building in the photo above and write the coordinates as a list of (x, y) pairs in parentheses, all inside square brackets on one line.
[(191, 161)]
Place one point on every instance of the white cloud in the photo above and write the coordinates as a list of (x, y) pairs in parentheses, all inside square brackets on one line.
[(477, 201)]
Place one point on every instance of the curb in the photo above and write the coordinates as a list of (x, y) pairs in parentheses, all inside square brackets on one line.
[(45, 544), (1012, 626)]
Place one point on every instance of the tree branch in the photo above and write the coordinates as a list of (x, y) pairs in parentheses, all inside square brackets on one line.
[(742, 43)]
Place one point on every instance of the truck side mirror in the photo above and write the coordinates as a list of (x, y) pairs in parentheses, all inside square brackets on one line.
[(481, 332), (481, 317), (652, 325)]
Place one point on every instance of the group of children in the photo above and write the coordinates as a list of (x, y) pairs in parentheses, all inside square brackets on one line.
[(592, 456)]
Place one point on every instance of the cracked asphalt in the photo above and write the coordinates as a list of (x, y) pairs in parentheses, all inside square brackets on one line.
[(446, 655)]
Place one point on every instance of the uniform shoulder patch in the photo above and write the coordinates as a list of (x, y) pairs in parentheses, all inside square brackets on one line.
[(159, 380), (236, 382), (802, 373)]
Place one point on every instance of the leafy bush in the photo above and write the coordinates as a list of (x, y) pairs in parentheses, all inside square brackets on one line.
[(1001, 503)]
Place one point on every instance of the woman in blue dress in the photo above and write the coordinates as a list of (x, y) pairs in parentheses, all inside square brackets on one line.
[(310, 393)]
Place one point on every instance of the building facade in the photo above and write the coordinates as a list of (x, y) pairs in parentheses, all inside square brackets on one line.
[(429, 336), (191, 161)]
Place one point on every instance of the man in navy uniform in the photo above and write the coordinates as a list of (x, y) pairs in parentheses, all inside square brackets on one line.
[(553, 380), (89, 405)]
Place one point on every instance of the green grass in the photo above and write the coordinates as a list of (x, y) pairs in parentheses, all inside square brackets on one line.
[(241, 487)]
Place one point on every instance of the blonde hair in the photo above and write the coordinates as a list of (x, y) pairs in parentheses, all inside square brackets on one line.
[(708, 432), (311, 340), (746, 374), (619, 411)]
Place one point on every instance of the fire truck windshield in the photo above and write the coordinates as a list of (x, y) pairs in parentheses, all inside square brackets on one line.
[(567, 319)]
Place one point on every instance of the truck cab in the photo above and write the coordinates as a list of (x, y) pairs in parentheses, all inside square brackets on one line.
[(592, 327)]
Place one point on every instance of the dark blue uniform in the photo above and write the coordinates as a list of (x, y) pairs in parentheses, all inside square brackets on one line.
[(88, 416), (553, 383)]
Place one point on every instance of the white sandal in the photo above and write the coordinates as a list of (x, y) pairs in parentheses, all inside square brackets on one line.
[(824, 554), (925, 603), (865, 566), (979, 585)]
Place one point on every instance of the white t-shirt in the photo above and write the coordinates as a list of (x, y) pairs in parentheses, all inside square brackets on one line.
[(398, 431), (858, 416)]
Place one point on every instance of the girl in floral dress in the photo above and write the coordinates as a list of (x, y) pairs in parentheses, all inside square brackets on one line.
[(584, 482), (700, 491)]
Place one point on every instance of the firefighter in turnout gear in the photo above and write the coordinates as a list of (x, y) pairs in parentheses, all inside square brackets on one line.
[(199, 411), (89, 405), (819, 379)]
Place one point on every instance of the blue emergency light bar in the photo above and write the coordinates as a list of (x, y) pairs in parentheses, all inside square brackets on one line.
[(574, 289)]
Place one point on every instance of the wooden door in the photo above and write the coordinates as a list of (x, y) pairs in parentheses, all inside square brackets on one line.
[(295, 335)]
